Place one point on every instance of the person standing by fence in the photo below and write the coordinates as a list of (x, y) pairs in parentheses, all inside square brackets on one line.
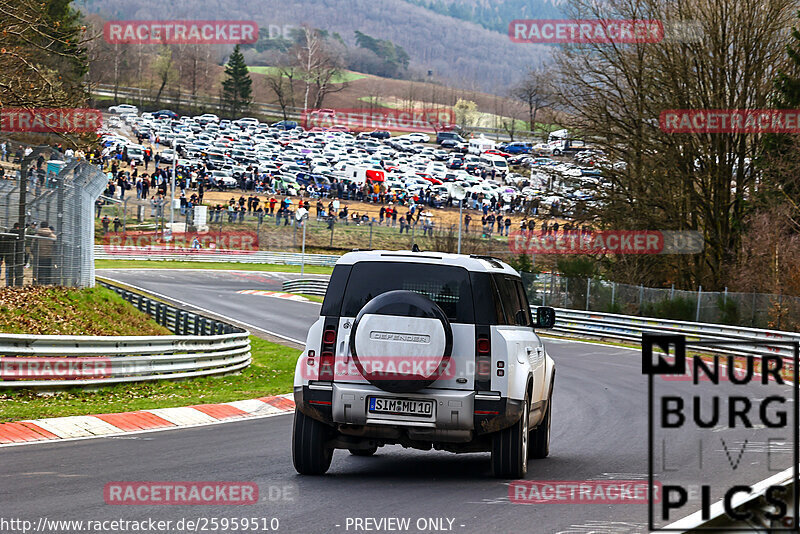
[(43, 248)]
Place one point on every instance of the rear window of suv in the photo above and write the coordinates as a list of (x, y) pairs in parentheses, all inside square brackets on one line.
[(448, 286)]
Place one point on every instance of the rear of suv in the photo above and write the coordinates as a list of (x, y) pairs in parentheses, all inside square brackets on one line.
[(424, 350)]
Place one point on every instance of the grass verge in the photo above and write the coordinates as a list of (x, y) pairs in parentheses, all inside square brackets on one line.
[(315, 298), (67, 311), (226, 266), (271, 373)]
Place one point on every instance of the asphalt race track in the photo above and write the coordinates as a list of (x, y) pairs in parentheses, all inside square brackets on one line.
[(599, 432)]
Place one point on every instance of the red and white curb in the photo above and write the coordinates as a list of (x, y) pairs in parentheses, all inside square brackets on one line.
[(277, 294), (90, 426)]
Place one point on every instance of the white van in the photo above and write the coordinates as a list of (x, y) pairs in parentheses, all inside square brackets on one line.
[(496, 163), (479, 145), (136, 152), (360, 174)]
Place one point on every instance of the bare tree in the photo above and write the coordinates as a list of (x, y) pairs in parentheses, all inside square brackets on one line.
[(536, 91), (163, 69), (282, 84), (615, 94), (318, 66)]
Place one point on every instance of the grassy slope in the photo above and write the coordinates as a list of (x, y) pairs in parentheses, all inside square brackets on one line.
[(271, 372), (344, 76), (64, 311)]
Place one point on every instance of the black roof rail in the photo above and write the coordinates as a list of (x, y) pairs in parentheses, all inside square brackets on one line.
[(491, 259)]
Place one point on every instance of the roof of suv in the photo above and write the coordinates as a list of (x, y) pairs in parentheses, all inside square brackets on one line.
[(471, 263)]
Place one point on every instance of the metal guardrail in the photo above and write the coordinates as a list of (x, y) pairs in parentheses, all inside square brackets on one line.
[(628, 328), (201, 347), (109, 252), (309, 286), (596, 325)]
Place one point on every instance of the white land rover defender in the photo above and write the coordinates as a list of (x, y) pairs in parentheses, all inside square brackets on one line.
[(425, 350)]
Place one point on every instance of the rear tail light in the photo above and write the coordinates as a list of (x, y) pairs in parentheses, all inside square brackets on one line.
[(483, 360), (326, 356)]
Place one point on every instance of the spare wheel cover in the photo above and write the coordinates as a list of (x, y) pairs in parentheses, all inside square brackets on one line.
[(401, 341)]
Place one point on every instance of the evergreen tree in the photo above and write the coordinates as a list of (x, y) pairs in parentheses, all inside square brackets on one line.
[(779, 158), (237, 90)]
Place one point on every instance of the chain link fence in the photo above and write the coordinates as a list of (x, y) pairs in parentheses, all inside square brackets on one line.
[(138, 222), (757, 310), (46, 219)]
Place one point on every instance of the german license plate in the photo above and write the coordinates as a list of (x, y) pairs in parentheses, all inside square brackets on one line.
[(416, 408)]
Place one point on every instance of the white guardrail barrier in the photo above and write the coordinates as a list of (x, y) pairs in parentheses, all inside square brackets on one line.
[(107, 252), (629, 328), (307, 286), (202, 347)]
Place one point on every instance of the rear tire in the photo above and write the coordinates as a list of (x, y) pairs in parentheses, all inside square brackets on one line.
[(510, 448), (539, 442), (364, 452), (309, 453)]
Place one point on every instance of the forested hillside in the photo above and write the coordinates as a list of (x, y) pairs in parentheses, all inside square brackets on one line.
[(456, 51)]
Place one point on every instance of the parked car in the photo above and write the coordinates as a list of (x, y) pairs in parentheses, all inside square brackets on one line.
[(123, 109), (452, 139), (286, 125), (165, 114), (517, 147)]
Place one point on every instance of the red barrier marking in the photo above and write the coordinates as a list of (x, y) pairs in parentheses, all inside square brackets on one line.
[(132, 421), (219, 411), (282, 403)]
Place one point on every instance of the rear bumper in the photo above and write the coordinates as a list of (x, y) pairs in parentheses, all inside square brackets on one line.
[(456, 413)]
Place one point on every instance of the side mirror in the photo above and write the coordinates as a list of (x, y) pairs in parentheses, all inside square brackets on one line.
[(545, 317)]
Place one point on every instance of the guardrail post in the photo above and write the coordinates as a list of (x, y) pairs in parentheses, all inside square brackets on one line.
[(544, 292), (641, 297), (699, 296), (185, 323), (588, 289)]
